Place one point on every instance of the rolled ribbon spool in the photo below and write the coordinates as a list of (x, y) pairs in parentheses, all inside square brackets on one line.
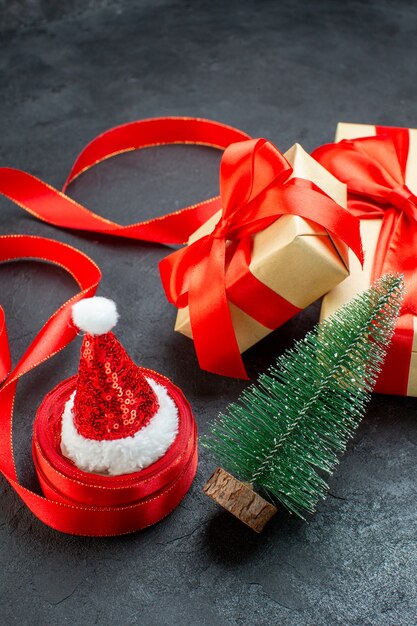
[(115, 437), (128, 502)]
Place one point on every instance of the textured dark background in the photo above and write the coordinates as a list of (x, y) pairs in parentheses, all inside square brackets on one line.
[(284, 70)]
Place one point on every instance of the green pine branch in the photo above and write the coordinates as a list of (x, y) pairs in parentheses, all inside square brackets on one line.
[(285, 431)]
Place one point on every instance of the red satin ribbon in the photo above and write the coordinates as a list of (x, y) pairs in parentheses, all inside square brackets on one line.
[(250, 179), (77, 502), (256, 189), (374, 170), (56, 208), (394, 376)]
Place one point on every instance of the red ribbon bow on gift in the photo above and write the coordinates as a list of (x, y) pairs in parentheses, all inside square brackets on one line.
[(256, 188), (374, 170)]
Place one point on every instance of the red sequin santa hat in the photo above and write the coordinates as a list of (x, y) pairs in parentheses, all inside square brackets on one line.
[(118, 420)]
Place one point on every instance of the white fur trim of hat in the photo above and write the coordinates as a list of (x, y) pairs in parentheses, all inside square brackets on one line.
[(122, 456)]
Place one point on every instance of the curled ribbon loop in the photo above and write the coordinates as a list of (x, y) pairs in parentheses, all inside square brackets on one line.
[(52, 338), (374, 170), (54, 207), (256, 188), (77, 502), (82, 504)]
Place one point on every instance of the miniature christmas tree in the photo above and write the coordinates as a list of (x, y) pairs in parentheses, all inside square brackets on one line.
[(285, 431)]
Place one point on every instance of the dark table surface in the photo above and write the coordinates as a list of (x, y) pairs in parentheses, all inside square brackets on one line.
[(288, 71)]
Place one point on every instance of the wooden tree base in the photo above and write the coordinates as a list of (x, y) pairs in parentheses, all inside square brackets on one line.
[(239, 499)]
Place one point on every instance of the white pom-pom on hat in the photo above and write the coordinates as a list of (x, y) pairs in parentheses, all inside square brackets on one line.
[(95, 316)]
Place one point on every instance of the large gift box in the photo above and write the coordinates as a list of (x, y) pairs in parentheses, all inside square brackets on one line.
[(270, 273), (379, 165)]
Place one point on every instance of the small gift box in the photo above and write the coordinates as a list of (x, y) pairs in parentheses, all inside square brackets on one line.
[(379, 166), (279, 243)]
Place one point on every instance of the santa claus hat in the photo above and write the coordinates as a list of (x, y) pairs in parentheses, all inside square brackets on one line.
[(119, 419)]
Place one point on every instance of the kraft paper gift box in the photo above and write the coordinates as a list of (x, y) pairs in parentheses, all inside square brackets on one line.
[(295, 258), (360, 278)]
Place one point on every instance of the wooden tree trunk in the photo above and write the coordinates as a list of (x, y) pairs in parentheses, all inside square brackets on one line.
[(239, 499)]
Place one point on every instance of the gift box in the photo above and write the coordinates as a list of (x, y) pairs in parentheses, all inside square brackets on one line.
[(285, 266), (385, 158)]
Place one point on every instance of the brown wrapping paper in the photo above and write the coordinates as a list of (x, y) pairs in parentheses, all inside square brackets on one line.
[(297, 259), (361, 279)]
